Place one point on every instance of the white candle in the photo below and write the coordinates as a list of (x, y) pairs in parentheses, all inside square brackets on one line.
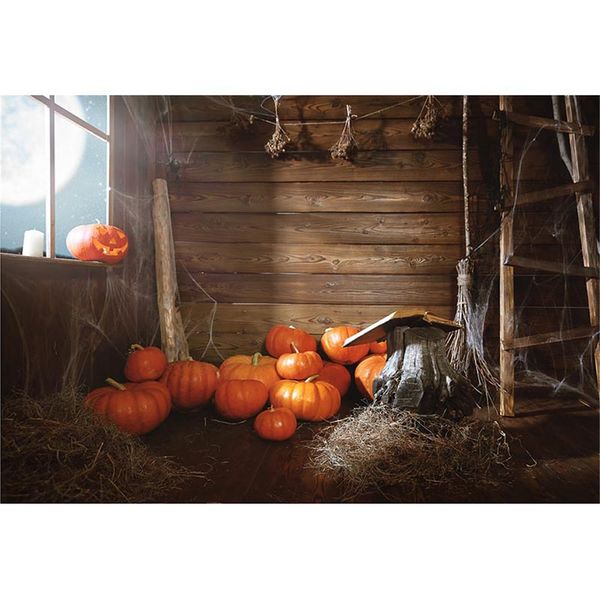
[(33, 243)]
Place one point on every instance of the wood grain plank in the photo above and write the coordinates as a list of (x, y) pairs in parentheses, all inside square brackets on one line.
[(313, 318), (215, 108), (397, 259), (316, 197), (402, 290), (393, 165), (319, 228), (370, 134)]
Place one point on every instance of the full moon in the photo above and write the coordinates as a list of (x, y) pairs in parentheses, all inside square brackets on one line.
[(24, 149)]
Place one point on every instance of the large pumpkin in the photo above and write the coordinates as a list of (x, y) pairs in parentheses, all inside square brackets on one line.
[(366, 371), (145, 364), (191, 382), (136, 408), (241, 366), (240, 398), (276, 424), (298, 365), (332, 341), (337, 375), (105, 243), (310, 400), (280, 338)]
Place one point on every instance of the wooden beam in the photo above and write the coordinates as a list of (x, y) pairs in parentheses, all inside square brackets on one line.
[(542, 122), (587, 223), (552, 337), (555, 192), (507, 292), (551, 266)]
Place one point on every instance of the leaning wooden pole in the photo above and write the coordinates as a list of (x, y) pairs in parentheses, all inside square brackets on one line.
[(173, 339)]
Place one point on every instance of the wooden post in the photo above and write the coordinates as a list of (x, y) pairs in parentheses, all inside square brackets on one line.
[(507, 293), (174, 342), (585, 216)]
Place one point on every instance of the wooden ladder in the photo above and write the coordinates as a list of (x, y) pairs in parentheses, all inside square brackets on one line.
[(582, 187)]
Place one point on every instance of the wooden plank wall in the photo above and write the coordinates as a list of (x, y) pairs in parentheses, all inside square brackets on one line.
[(305, 239), (42, 301)]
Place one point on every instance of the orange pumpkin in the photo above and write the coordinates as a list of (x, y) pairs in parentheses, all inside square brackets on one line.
[(276, 424), (378, 347), (135, 408), (337, 375), (240, 398), (241, 366), (366, 371), (191, 382), (145, 364), (298, 365), (333, 340), (311, 400), (280, 338), (105, 243)]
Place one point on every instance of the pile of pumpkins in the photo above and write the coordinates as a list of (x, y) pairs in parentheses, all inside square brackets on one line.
[(294, 379)]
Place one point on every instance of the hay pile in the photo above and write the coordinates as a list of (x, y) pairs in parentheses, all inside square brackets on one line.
[(55, 450), (378, 447)]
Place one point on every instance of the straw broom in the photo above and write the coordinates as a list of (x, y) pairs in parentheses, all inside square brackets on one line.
[(465, 345)]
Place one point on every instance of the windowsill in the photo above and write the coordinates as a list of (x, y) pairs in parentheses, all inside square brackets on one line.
[(72, 262)]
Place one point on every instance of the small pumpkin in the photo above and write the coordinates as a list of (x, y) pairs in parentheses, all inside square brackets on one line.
[(280, 338), (191, 383), (366, 371), (259, 367), (240, 398), (135, 408), (337, 375), (378, 347), (298, 365), (97, 241), (310, 400), (333, 340), (276, 424), (145, 364)]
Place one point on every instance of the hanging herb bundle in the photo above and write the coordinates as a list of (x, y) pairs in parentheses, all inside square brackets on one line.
[(346, 146), (431, 115), (280, 139)]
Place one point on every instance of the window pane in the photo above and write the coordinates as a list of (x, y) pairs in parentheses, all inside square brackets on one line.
[(92, 109), (24, 168), (81, 180)]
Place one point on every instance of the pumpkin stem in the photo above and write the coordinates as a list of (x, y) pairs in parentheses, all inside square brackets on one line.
[(255, 358), (294, 348), (115, 384), (311, 378), (136, 347)]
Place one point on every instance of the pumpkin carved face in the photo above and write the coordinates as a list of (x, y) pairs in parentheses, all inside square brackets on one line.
[(105, 243)]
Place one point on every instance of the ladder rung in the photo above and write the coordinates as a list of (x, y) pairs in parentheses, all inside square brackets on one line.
[(553, 337), (555, 192), (551, 266), (555, 125)]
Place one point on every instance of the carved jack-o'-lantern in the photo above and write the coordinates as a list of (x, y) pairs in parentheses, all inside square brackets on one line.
[(96, 241)]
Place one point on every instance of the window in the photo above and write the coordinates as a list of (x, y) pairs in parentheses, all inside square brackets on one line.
[(54, 167)]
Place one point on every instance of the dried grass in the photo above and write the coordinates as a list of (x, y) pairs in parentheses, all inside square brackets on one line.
[(378, 447), (55, 450)]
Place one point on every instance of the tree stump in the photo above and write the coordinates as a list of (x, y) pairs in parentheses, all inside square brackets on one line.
[(418, 376)]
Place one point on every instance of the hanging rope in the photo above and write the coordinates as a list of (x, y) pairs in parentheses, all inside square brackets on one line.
[(346, 146)]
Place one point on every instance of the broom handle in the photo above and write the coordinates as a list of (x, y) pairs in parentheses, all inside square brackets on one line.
[(465, 174)]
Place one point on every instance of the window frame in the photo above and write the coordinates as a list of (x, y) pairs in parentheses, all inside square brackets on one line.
[(50, 200)]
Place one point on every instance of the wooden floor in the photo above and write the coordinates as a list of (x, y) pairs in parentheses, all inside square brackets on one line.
[(554, 443)]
